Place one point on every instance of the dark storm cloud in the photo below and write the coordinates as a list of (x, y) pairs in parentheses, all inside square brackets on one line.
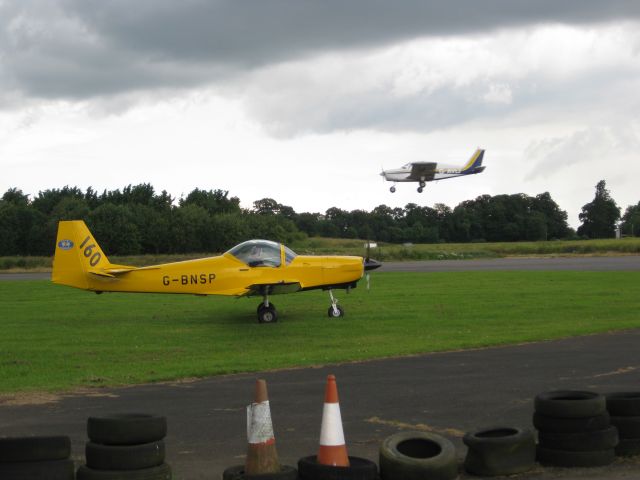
[(78, 49)]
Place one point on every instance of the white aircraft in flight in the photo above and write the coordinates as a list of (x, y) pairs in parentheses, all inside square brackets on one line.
[(424, 172)]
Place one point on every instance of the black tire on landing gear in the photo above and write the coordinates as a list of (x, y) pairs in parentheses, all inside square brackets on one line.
[(392, 189), (420, 189), (261, 306), (333, 314), (267, 314)]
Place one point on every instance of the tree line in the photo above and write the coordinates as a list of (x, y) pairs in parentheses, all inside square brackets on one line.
[(138, 220)]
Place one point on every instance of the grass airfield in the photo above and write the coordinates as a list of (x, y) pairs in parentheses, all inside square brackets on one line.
[(57, 338)]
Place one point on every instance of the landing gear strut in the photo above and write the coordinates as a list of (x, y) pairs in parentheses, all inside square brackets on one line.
[(267, 311), (335, 310), (421, 187)]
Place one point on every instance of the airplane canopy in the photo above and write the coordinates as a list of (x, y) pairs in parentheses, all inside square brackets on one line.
[(261, 253)]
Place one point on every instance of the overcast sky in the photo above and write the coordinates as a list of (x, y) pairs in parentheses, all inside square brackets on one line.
[(305, 101)]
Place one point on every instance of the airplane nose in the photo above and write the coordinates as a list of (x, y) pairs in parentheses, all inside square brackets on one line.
[(370, 264)]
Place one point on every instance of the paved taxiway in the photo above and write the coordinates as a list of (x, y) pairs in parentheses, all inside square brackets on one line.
[(450, 393), (624, 263)]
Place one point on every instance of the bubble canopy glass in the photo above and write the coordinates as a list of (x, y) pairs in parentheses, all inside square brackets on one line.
[(261, 253)]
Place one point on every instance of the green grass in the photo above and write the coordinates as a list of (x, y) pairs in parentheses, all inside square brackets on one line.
[(57, 338)]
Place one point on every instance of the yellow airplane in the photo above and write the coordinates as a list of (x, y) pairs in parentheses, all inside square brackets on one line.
[(255, 267)]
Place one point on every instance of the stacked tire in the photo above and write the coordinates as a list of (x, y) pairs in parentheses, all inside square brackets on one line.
[(125, 447), (574, 429), (624, 408), (36, 458), (499, 451)]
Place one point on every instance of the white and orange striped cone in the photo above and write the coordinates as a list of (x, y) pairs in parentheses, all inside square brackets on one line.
[(261, 454), (333, 450)]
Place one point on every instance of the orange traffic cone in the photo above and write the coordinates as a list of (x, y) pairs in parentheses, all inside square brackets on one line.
[(333, 450), (261, 455)]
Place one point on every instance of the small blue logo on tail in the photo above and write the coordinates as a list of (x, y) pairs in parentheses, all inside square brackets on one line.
[(65, 244)]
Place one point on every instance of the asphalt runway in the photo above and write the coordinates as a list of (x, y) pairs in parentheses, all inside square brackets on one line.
[(598, 264), (620, 263), (448, 393)]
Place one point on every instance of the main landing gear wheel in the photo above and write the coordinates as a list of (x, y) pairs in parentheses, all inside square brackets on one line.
[(420, 189), (392, 189), (267, 314)]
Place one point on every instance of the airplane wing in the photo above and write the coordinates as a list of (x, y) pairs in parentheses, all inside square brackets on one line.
[(422, 171), (260, 289), (116, 270)]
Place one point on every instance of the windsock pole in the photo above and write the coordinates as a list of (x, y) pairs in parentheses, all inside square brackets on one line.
[(333, 450), (261, 454)]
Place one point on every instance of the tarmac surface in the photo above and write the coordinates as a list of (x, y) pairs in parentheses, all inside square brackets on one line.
[(599, 264), (447, 393), (620, 263)]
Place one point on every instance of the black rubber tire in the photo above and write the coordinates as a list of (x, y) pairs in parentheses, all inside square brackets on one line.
[(499, 451), (623, 404), (563, 458), (416, 456), (124, 457), (570, 404), (49, 470), (545, 423), (580, 442), (628, 427), (34, 449), (237, 473), (358, 469), (267, 314), (261, 306), (126, 429), (332, 314), (628, 447), (161, 472)]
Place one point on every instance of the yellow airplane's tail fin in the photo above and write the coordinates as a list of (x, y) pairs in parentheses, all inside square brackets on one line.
[(77, 256)]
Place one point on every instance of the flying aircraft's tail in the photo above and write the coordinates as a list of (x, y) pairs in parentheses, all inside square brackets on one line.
[(78, 257), (474, 165)]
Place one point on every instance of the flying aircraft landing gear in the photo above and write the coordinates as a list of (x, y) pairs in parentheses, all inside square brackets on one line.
[(267, 312), (335, 310), (392, 189), (421, 187)]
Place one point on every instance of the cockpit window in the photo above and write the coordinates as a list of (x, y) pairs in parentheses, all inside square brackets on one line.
[(289, 255), (258, 253)]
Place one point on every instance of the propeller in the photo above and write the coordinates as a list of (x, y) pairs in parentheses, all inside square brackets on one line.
[(369, 263)]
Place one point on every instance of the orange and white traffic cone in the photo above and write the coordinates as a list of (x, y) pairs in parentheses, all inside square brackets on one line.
[(333, 450), (261, 455)]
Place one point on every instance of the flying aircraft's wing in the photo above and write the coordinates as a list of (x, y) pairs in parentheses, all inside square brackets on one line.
[(422, 171), (272, 288)]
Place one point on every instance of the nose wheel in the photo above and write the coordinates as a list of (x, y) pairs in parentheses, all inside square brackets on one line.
[(335, 310), (392, 189)]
